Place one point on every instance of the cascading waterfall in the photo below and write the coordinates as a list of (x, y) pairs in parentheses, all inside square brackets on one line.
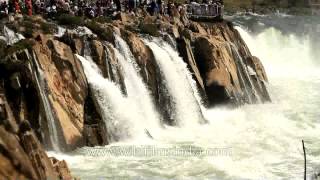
[(112, 103), (178, 81), (126, 116), (136, 89), (60, 32), (41, 83), (244, 75)]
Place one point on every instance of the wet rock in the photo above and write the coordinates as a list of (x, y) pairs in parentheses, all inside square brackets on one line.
[(186, 52), (61, 168), (227, 66), (67, 89)]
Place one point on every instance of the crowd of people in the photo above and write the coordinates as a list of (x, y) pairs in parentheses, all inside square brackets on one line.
[(90, 8)]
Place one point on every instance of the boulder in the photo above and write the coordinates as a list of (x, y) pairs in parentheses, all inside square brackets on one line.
[(229, 71), (217, 69), (67, 88)]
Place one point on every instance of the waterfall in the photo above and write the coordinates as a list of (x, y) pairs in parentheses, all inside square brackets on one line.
[(41, 83), (244, 76), (10, 36), (60, 32), (111, 102), (178, 80), (126, 116), (136, 89)]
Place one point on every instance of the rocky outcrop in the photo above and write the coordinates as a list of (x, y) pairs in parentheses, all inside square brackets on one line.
[(223, 61), (22, 156), (67, 88)]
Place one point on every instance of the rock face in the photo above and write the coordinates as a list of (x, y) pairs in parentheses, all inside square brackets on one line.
[(229, 72), (42, 84), (22, 156), (67, 88)]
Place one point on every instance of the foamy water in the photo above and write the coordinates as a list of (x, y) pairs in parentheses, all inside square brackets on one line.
[(251, 142)]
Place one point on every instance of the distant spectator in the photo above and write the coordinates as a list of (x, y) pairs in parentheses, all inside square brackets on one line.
[(4, 8), (152, 9), (118, 5), (28, 5), (37, 6), (169, 8), (160, 6), (131, 5), (17, 7)]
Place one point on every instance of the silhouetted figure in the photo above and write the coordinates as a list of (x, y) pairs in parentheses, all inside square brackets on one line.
[(118, 4)]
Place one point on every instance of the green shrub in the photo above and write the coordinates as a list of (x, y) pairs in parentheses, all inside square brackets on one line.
[(21, 45), (48, 28), (29, 28), (103, 19), (69, 20), (98, 30), (149, 28)]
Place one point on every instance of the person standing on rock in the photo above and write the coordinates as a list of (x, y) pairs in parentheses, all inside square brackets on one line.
[(17, 9), (28, 4)]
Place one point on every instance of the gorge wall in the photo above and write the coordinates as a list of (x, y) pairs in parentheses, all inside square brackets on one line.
[(47, 101)]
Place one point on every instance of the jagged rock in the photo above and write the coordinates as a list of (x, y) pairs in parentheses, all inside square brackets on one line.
[(99, 56), (21, 154), (185, 51), (221, 56), (150, 28), (61, 169), (94, 127), (14, 163), (256, 64), (197, 28), (218, 70), (36, 153), (67, 86)]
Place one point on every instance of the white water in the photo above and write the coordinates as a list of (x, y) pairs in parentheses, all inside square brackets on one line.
[(10, 36), (179, 83), (41, 83), (61, 31), (126, 117), (261, 141), (136, 89)]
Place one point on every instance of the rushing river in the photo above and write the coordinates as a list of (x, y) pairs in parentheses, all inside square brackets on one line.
[(251, 142)]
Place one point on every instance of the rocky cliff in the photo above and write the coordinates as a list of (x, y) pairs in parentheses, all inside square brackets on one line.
[(46, 101)]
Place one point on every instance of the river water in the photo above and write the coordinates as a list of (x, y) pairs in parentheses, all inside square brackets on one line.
[(261, 141)]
